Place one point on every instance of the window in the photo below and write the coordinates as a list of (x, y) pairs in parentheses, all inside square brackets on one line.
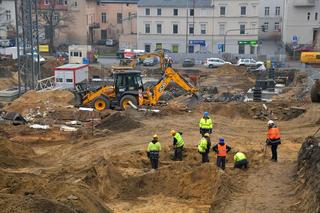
[(8, 14), (175, 48), (103, 34), (76, 4), (266, 26), (66, 2), (266, 11), (203, 28), (277, 13), (191, 13), (252, 49), (147, 28), (243, 10), (276, 26), (191, 49), (241, 49), (175, 12), (56, 17), (308, 16), (103, 17), (119, 18), (147, 48), (59, 80), (69, 80), (147, 11), (221, 29), (158, 45), (316, 16), (46, 2), (159, 28), (159, 11), (175, 29), (242, 29), (60, 2), (222, 11), (191, 29)]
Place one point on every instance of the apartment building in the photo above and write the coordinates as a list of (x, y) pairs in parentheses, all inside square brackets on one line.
[(198, 25), (7, 18), (271, 16), (301, 21)]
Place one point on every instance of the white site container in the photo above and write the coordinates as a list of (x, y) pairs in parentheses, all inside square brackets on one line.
[(68, 75)]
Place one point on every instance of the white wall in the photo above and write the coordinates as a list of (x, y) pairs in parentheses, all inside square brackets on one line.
[(208, 16), (6, 5), (296, 22)]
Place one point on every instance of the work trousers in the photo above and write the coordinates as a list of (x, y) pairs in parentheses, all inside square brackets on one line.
[(242, 164), (274, 148), (221, 162), (154, 163), (204, 131), (178, 152), (205, 157)]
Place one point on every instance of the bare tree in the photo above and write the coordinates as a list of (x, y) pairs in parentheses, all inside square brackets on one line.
[(56, 15)]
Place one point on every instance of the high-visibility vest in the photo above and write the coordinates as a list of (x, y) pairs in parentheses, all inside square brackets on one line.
[(222, 150), (205, 123), (180, 141), (154, 147), (202, 147), (239, 156), (273, 133)]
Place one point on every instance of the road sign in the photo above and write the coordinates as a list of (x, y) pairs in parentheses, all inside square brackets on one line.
[(294, 38), (194, 42), (248, 42), (220, 46)]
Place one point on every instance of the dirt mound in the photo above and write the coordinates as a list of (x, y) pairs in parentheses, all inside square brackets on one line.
[(43, 100), (118, 122), (309, 173), (49, 67), (9, 81), (14, 155)]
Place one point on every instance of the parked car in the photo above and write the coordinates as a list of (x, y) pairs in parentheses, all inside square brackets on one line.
[(35, 58), (110, 42), (188, 62), (149, 62), (164, 50), (101, 42), (249, 62), (120, 53), (215, 62)]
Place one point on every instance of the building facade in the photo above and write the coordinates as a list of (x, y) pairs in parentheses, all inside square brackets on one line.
[(198, 26), (7, 18), (301, 21), (271, 17)]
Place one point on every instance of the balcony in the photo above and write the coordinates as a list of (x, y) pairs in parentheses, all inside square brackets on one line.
[(304, 3), (94, 25), (43, 6)]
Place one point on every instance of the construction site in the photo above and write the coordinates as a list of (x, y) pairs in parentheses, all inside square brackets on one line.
[(57, 157)]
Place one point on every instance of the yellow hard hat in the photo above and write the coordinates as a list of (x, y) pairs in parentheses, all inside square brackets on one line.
[(173, 132), (206, 135), (155, 136)]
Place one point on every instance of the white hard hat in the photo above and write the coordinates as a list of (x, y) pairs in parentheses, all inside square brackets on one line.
[(270, 122)]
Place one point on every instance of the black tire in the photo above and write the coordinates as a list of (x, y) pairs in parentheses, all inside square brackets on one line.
[(101, 103), (125, 99), (210, 66)]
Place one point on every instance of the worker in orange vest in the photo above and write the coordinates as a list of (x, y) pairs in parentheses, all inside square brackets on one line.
[(221, 149), (273, 139)]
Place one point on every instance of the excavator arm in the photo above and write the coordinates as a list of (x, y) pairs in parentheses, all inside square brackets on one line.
[(154, 93)]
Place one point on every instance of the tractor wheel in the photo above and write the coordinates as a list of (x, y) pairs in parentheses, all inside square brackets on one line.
[(101, 103), (124, 102)]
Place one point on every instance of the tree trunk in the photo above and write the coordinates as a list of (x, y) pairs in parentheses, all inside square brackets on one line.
[(51, 38)]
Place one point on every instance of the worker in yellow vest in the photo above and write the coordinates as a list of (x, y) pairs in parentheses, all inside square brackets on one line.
[(153, 152), (204, 147), (205, 124), (178, 144), (240, 161)]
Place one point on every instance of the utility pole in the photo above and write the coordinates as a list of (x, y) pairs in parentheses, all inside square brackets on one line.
[(18, 44), (187, 26)]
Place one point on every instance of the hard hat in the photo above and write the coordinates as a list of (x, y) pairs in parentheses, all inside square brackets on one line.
[(173, 132), (206, 114), (221, 140), (155, 136), (270, 122), (206, 135)]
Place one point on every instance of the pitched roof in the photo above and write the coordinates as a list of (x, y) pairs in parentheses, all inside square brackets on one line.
[(175, 3)]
